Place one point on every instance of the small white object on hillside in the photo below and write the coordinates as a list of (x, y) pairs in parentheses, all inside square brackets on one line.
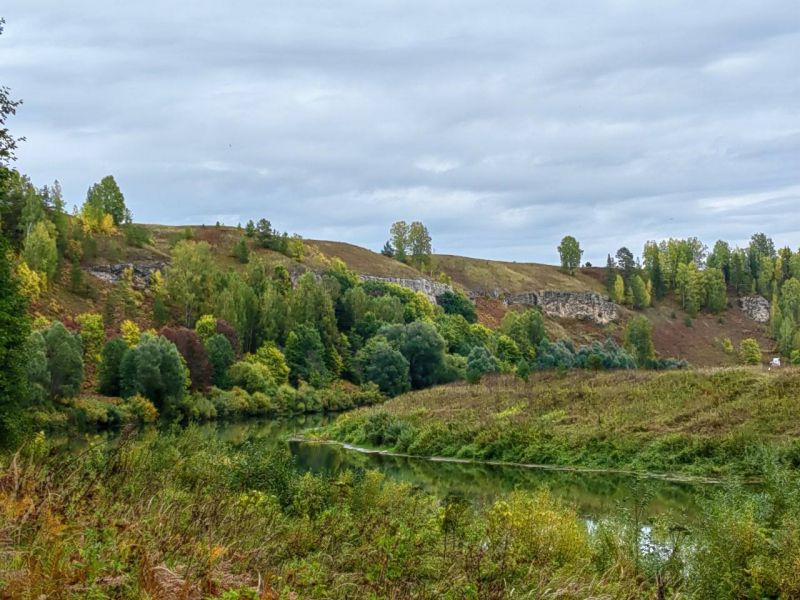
[(776, 362)]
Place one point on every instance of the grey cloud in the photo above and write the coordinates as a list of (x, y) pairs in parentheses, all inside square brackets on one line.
[(503, 127)]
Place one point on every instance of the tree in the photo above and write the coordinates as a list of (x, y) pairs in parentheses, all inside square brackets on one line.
[(155, 370), (570, 252), (456, 303), (479, 363), (193, 352), (749, 352), (641, 297), (14, 330), (311, 304), (241, 252), (106, 198), (399, 240), (40, 252), (639, 340), (523, 370), (610, 275), (741, 276), (716, 292), (109, 374), (8, 107), (250, 229), (37, 370), (626, 263), (221, 357), (720, 258), (652, 264), (388, 250), (93, 335), (305, 355), (190, 278), (526, 329), (130, 333), (384, 366), (423, 348), (64, 361), (618, 292), (273, 359), (419, 245), (786, 336)]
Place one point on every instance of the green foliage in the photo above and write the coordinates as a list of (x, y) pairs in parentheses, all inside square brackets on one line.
[(93, 336), (639, 340), (252, 377), (190, 279), (14, 330), (241, 252), (456, 303), (40, 251), (523, 370), (37, 370), (410, 244), (109, 374), (423, 348), (749, 352), (64, 361), (641, 297), (221, 357), (479, 363), (570, 253), (106, 198), (305, 355), (206, 327), (271, 357), (154, 369), (381, 364), (618, 291), (526, 329), (137, 236), (716, 292)]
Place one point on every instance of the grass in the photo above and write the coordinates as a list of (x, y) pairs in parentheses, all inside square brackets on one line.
[(713, 422), (182, 515)]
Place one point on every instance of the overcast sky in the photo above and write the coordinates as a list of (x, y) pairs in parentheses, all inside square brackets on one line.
[(501, 125)]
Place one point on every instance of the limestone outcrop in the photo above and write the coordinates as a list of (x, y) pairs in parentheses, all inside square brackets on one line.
[(142, 272), (431, 289), (755, 307), (585, 306)]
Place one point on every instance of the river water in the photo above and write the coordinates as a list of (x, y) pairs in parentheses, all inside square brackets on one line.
[(594, 495)]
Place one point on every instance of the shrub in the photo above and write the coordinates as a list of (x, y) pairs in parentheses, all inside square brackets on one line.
[(456, 303), (271, 357), (130, 332), (140, 409), (795, 358), (36, 367), (727, 346), (92, 334), (480, 362), (749, 352), (639, 340), (206, 326), (251, 376), (136, 235)]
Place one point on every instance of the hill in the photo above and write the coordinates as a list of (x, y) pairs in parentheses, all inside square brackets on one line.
[(490, 283)]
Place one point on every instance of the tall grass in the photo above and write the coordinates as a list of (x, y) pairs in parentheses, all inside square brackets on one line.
[(179, 515)]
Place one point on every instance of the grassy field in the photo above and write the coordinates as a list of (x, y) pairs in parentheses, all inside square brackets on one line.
[(716, 422), (185, 516)]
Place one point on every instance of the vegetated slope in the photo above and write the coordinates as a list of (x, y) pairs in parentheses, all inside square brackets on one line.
[(364, 261), (490, 277), (703, 422)]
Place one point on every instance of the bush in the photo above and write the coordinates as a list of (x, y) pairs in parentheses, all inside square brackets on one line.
[(456, 303), (136, 235), (252, 377), (193, 352), (479, 363), (140, 409), (639, 340), (272, 358), (384, 366), (795, 358), (749, 352)]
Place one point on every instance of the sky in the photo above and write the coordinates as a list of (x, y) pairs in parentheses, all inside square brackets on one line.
[(503, 126)]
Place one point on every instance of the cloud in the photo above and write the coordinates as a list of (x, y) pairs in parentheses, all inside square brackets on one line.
[(614, 121)]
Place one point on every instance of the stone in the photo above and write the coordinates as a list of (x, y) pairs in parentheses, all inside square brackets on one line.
[(584, 306), (756, 308), (142, 272), (430, 289)]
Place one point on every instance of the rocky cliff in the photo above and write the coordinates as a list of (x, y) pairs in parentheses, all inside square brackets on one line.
[(431, 289), (756, 307), (585, 306), (142, 272)]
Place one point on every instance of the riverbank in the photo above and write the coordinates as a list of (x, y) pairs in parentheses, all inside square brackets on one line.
[(701, 423), (185, 515)]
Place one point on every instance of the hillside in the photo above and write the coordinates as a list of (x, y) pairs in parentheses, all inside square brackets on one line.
[(489, 282)]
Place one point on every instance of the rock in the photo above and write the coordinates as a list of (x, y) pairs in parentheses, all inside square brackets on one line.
[(142, 272), (755, 307), (585, 306), (431, 289)]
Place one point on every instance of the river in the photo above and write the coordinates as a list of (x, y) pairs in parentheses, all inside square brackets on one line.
[(594, 495)]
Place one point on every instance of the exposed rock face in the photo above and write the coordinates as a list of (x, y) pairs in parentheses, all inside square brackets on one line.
[(586, 306), (756, 307), (431, 289), (142, 272)]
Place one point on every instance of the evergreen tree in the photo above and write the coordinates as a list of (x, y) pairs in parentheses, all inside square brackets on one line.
[(610, 276), (221, 357), (241, 252), (64, 361), (14, 330), (109, 374)]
